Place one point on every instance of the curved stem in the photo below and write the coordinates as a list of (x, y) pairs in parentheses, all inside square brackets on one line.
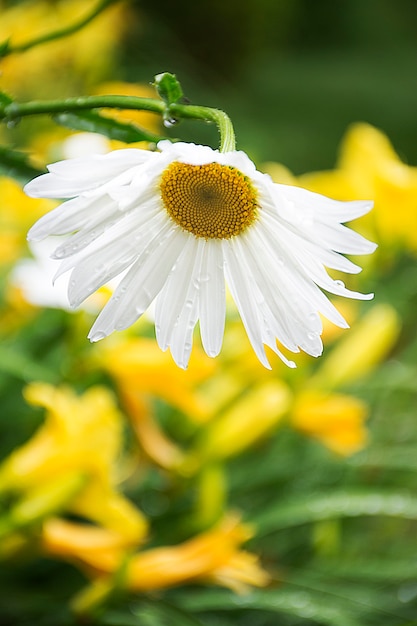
[(223, 121), (62, 32), (14, 111)]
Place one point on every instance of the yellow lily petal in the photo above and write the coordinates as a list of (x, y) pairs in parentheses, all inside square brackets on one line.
[(366, 345), (249, 419), (81, 436), (335, 420), (214, 555)]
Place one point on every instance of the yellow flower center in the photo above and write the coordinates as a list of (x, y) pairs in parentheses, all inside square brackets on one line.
[(213, 201)]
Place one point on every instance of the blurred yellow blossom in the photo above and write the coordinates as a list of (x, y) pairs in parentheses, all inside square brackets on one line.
[(17, 213), (250, 418), (213, 556), (336, 420), (79, 442), (369, 167), (85, 56), (136, 364), (143, 373), (358, 352)]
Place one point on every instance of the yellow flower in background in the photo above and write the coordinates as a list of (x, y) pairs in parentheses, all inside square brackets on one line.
[(142, 374), (86, 56), (136, 364), (336, 420), (250, 418), (369, 167), (214, 556), (17, 212), (81, 441), (357, 354)]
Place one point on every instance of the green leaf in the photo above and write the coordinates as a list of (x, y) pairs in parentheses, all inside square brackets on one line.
[(336, 504), (24, 367), (17, 165), (402, 457), (155, 613), (4, 48), (299, 603), (168, 88), (93, 122), (4, 98), (368, 569)]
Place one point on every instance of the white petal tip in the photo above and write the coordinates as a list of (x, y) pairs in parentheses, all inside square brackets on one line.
[(97, 336), (30, 189), (212, 353), (34, 234)]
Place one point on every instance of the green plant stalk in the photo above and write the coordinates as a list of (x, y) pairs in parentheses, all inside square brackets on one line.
[(14, 111), (62, 32)]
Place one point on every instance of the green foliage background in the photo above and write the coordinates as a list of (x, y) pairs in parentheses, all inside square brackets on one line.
[(292, 74)]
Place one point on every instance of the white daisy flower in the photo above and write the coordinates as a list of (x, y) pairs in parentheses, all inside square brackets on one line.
[(182, 223)]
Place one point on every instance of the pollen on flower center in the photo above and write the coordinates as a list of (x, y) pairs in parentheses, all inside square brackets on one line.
[(213, 201)]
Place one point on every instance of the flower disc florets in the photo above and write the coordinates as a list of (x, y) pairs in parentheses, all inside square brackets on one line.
[(213, 201)]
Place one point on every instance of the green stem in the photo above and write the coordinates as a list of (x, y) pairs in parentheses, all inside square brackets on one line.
[(224, 124), (62, 32), (14, 111)]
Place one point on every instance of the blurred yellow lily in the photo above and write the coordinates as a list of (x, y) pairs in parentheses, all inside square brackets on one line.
[(250, 418), (17, 213), (214, 556), (369, 167), (69, 463), (336, 420), (361, 350), (86, 55), (143, 373)]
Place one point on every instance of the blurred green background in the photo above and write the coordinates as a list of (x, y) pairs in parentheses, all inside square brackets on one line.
[(292, 74)]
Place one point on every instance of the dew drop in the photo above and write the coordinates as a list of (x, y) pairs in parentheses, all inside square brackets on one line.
[(339, 283), (300, 600), (407, 592), (170, 122), (12, 123)]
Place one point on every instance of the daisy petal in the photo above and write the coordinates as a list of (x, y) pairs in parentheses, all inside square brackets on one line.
[(240, 288), (173, 295), (212, 299), (141, 284)]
